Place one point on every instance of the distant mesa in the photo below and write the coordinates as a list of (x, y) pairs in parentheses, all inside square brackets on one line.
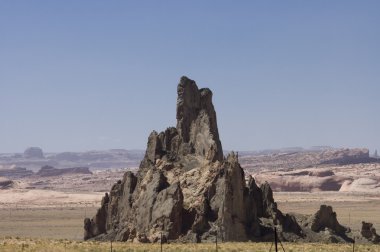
[(47, 171), (34, 152), (67, 156), (6, 183), (15, 173), (346, 156)]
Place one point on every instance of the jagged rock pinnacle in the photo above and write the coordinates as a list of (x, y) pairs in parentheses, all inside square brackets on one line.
[(196, 121), (186, 190)]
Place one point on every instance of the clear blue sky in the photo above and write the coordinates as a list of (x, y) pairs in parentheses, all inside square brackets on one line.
[(83, 75)]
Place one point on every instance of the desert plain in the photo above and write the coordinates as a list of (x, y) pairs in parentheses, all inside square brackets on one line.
[(38, 213)]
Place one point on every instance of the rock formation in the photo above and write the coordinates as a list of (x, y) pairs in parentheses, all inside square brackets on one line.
[(346, 156), (47, 171), (324, 218), (187, 190), (33, 152), (369, 232)]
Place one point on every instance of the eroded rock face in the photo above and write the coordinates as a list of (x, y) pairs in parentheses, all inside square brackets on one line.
[(196, 121), (185, 188), (324, 218)]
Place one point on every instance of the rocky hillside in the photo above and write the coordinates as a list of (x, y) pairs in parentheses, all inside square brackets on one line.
[(187, 190)]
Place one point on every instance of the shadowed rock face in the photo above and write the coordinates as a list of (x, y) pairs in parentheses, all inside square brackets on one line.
[(186, 189), (369, 232), (325, 217)]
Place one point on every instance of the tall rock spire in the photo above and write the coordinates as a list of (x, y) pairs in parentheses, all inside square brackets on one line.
[(185, 189), (196, 121)]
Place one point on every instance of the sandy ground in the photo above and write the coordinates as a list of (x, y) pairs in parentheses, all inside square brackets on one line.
[(59, 215), (45, 213), (55, 223), (26, 199), (351, 208)]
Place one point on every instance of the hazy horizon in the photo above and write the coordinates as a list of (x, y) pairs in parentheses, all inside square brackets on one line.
[(225, 150), (93, 75)]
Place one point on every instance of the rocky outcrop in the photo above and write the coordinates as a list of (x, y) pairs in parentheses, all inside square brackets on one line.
[(34, 152), (369, 232), (324, 218), (97, 225), (196, 121), (187, 190), (47, 171)]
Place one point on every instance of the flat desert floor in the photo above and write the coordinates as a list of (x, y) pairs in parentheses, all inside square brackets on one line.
[(59, 215), (45, 213), (351, 208)]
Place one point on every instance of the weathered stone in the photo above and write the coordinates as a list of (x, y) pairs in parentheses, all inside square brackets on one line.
[(269, 206), (97, 225), (196, 121), (167, 211), (325, 217), (186, 190), (369, 232)]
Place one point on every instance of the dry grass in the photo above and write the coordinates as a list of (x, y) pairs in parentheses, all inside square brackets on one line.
[(67, 222), (53, 223), (61, 228), (351, 209), (42, 245)]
